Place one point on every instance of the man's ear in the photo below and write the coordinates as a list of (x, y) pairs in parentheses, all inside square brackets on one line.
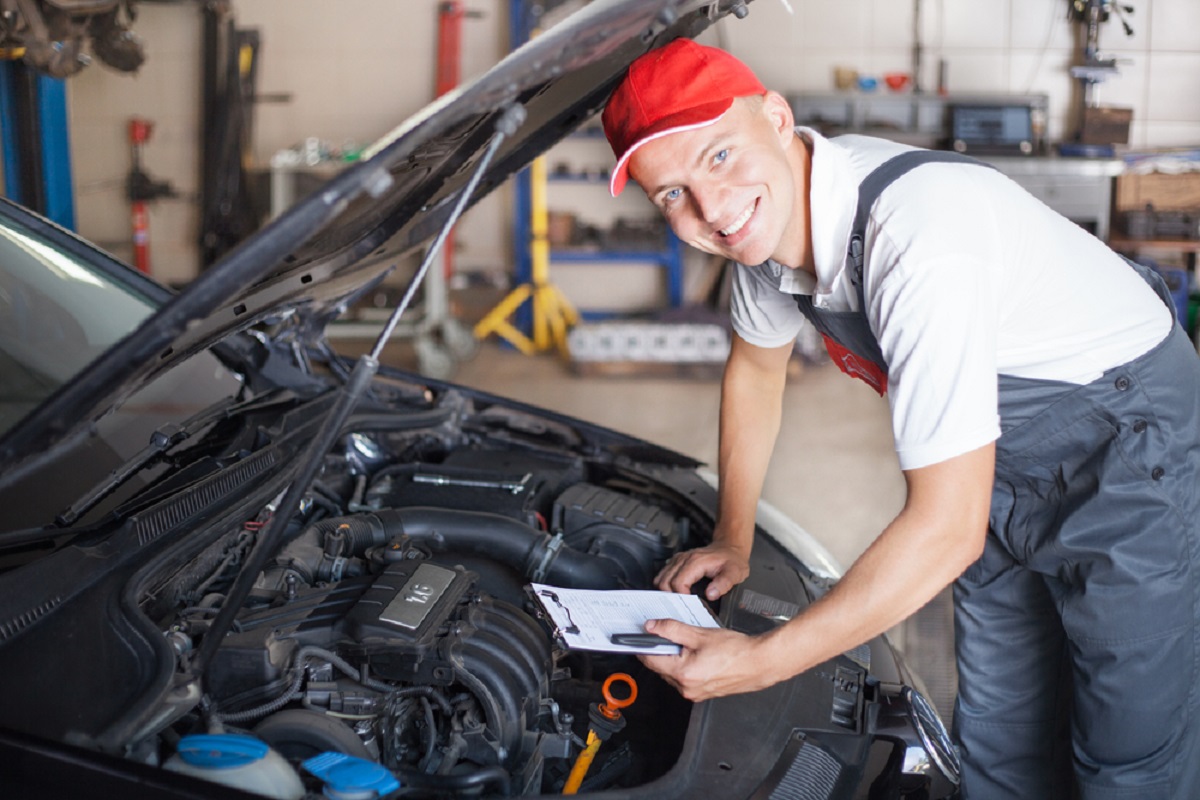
[(779, 112)]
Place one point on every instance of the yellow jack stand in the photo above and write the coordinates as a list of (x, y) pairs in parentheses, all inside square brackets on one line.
[(553, 313)]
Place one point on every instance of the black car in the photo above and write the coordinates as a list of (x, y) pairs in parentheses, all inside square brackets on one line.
[(233, 560)]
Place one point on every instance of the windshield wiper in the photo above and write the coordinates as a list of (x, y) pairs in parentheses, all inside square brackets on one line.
[(161, 441), (349, 394)]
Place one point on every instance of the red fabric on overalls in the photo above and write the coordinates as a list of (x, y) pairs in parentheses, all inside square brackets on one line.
[(866, 371)]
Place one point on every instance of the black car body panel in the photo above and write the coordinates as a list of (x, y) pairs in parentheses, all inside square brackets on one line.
[(138, 488)]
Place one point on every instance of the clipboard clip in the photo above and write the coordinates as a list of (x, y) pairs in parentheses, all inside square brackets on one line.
[(553, 598)]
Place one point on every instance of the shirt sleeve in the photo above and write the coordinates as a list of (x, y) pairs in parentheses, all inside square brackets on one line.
[(761, 313)]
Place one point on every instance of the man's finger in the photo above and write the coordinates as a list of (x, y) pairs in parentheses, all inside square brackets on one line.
[(673, 574), (692, 571), (678, 632), (719, 585)]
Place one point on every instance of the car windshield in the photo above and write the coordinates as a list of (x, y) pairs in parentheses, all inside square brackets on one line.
[(57, 314)]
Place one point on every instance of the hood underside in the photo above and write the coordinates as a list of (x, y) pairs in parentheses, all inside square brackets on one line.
[(310, 262)]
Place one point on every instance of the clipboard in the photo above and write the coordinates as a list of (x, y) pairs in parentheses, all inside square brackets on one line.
[(587, 619)]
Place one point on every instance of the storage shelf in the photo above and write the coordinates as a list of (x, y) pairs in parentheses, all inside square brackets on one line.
[(667, 256), (1118, 242)]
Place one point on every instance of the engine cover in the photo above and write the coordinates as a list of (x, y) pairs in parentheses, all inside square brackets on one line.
[(406, 604)]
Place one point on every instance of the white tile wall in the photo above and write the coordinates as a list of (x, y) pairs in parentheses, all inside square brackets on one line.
[(891, 24), (833, 23), (1174, 25), (1172, 134), (973, 24), (356, 68), (1039, 24), (1173, 94)]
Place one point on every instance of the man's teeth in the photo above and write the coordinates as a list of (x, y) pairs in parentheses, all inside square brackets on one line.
[(738, 223)]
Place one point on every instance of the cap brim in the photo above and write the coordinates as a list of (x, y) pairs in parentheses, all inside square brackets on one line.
[(690, 120)]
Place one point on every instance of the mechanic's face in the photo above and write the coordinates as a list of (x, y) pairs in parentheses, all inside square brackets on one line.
[(733, 188)]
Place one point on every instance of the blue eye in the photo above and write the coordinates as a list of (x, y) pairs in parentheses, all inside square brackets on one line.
[(673, 194), (721, 156)]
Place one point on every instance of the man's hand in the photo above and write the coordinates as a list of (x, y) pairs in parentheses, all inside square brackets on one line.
[(714, 662), (725, 565)]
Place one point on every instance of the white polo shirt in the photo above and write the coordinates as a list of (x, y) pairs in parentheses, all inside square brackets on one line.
[(968, 277)]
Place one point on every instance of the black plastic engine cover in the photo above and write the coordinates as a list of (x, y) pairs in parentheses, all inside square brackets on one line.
[(407, 601)]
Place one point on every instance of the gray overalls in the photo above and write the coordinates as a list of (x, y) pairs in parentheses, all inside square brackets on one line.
[(1076, 630)]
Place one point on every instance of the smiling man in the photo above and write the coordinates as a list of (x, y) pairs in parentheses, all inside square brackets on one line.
[(1046, 412)]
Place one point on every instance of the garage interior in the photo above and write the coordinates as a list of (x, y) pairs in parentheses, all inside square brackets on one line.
[(239, 107)]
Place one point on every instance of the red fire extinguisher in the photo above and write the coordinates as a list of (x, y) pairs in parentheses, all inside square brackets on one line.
[(141, 189)]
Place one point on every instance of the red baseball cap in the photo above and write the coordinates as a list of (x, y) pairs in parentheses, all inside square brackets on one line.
[(680, 87)]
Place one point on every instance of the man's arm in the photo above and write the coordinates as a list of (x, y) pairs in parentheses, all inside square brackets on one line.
[(935, 537), (751, 406)]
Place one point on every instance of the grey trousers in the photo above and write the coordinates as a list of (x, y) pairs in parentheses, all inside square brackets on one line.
[(1076, 630)]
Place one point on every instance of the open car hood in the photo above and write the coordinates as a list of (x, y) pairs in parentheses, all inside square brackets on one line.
[(307, 265)]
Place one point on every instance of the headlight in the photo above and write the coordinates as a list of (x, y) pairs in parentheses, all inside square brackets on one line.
[(933, 734)]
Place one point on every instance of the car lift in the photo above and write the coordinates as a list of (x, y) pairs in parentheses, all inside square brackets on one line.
[(552, 312), (36, 147)]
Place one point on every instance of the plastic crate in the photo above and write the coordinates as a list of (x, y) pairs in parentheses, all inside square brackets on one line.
[(1179, 284)]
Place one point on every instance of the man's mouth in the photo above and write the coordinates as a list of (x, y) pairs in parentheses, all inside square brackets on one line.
[(735, 226)]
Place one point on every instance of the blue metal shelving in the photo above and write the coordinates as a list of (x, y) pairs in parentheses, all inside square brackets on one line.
[(669, 256)]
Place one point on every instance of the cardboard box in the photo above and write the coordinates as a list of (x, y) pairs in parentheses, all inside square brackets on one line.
[(1106, 125), (1162, 191)]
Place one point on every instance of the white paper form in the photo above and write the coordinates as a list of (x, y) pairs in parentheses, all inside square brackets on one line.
[(587, 618)]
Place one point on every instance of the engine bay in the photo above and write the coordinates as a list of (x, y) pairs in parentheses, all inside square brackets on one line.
[(395, 625), (385, 623)]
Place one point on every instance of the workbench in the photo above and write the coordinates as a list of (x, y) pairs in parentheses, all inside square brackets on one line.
[(1081, 189)]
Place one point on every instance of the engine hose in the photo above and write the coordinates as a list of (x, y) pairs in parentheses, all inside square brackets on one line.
[(534, 554), (361, 531), (467, 780), (430, 730)]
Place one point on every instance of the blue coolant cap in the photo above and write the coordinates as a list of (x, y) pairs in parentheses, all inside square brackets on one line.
[(221, 750), (347, 776)]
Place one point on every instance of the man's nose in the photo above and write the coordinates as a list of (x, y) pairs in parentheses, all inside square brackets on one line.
[(708, 200)]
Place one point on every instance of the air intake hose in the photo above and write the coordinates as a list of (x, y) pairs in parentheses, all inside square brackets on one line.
[(536, 555)]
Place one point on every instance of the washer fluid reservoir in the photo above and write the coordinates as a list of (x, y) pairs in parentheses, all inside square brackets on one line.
[(242, 762)]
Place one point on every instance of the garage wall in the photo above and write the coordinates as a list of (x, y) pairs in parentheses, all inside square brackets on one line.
[(1016, 46), (352, 70), (355, 68)]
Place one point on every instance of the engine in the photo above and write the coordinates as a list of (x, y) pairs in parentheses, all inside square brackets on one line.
[(395, 625)]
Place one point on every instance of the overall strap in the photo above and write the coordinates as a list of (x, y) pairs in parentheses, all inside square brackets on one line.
[(848, 336), (874, 184)]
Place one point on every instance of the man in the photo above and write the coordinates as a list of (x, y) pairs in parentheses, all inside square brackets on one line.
[(1046, 412)]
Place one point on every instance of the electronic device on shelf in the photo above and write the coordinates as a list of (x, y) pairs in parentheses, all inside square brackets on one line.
[(992, 128)]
